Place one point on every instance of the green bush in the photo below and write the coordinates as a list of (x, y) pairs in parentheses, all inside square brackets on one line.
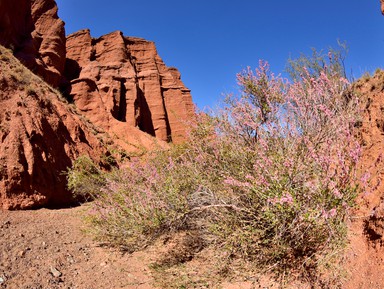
[(85, 178), (270, 178)]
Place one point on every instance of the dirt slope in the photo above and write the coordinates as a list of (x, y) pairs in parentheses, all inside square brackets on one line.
[(40, 135), (47, 249), (365, 255)]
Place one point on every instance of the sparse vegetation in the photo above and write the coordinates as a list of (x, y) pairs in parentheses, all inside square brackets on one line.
[(330, 62), (5, 54), (269, 179), (366, 76)]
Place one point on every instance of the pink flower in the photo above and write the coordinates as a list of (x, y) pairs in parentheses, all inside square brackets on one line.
[(232, 182), (330, 214), (337, 193), (364, 179), (288, 163), (286, 199)]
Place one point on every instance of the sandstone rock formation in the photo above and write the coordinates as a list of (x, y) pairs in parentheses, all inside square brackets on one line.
[(372, 138), (120, 83), (365, 255), (40, 135), (15, 22), (32, 29), (121, 91), (49, 40), (382, 6)]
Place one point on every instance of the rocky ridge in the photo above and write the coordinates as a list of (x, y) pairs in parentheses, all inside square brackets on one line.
[(40, 135), (121, 83), (124, 99), (35, 33)]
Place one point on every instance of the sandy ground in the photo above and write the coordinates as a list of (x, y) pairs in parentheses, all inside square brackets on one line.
[(48, 249)]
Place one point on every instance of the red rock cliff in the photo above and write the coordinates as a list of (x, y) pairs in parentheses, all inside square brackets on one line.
[(382, 6), (121, 83), (40, 136), (32, 29)]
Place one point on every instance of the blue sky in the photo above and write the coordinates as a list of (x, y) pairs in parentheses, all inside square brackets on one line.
[(210, 41)]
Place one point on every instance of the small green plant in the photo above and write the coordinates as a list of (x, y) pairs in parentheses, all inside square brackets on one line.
[(31, 90), (5, 54), (16, 77), (4, 57), (366, 76), (85, 178)]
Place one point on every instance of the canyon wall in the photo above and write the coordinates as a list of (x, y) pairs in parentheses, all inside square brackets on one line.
[(121, 82), (32, 29), (40, 136), (122, 98)]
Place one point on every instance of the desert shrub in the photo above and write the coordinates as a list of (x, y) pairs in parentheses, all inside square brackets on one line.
[(85, 178), (330, 62), (269, 178), (293, 177)]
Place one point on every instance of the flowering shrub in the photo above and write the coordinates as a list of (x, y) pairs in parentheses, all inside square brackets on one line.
[(300, 179), (270, 178)]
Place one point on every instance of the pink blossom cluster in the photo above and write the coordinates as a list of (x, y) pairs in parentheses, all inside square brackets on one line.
[(232, 182), (299, 134), (285, 199)]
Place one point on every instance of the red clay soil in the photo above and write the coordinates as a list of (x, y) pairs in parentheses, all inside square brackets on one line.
[(43, 249), (365, 255), (47, 249)]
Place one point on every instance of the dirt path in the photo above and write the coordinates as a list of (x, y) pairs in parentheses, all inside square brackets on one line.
[(47, 249)]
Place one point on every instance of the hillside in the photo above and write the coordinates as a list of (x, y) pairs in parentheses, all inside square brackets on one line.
[(40, 136)]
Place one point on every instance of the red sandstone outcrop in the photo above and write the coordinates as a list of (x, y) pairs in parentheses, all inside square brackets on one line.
[(49, 40), (365, 256), (15, 22), (121, 84), (382, 6), (39, 137), (32, 29), (372, 138)]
